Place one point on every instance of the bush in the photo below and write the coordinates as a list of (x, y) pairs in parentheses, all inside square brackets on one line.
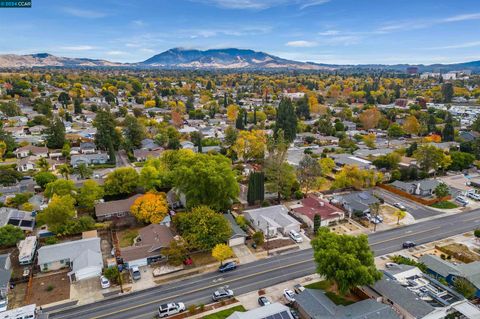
[(51, 240), (476, 233), (10, 235), (112, 274), (192, 309), (258, 238), (50, 288), (464, 287), (298, 194), (241, 221)]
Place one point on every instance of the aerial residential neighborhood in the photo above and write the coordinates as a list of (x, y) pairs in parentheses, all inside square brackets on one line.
[(337, 176)]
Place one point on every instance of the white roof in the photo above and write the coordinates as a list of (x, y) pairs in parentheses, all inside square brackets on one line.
[(69, 250), (26, 247)]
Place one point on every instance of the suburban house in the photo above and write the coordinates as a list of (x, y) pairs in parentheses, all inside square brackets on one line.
[(116, 209), (89, 159), (26, 164), (238, 234), (15, 217), (148, 245), (440, 268), (348, 159), (88, 148), (415, 295), (272, 220), (5, 274), (356, 202), (83, 257), (307, 208), (274, 311), (314, 304), (424, 188), (141, 155), (40, 151)]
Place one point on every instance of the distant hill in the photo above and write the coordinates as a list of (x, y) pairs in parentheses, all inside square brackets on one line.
[(216, 59), (48, 60)]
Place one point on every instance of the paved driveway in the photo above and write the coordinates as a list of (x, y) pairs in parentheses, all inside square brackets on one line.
[(244, 254)]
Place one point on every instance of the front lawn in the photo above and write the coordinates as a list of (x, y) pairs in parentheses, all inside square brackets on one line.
[(225, 313), (332, 294), (323, 285), (444, 205)]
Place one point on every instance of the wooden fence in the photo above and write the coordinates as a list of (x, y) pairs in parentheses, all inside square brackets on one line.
[(414, 198)]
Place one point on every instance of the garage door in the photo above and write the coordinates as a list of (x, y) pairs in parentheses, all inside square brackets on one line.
[(236, 241), (89, 272)]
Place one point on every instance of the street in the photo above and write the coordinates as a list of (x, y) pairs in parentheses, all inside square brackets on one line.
[(263, 273)]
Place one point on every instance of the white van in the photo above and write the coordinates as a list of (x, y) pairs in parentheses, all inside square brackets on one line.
[(462, 200), (295, 236), (473, 195)]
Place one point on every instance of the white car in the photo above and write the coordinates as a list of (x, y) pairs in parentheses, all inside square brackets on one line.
[(462, 200), (289, 295), (104, 282), (400, 206), (295, 236), (169, 309), (473, 195)]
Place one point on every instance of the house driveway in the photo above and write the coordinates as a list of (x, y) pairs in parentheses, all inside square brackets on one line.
[(88, 290), (244, 254)]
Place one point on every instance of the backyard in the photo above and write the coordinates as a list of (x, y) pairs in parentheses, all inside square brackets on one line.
[(331, 291), (49, 289), (126, 237)]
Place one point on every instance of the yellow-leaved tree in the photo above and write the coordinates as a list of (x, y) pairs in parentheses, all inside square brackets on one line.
[(250, 145), (232, 112), (221, 252), (150, 208)]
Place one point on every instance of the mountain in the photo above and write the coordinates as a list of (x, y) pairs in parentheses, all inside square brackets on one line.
[(48, 60), (225, 59), (178, 58)]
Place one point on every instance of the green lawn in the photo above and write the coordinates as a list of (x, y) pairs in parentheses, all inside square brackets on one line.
[(325, 286), (444, 205), (225, 313), (127, 237)]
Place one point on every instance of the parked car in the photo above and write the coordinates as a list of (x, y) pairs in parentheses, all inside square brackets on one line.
[(104, 282), (295, 236), (169, 309), (400, 206), (380, 218), (289, 295), (135, 272), (227, 266), (222, 293), (462, 200), (298, 288), (408, 244), (294, 314), (263, 301), (473, 195)]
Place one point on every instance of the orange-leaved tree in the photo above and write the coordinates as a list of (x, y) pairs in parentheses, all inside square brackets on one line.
[(150, 208)]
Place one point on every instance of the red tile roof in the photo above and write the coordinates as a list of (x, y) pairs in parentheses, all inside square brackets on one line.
[(313, 205)]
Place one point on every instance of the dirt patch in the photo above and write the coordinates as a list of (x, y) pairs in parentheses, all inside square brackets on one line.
[(345, 228), (48, 289), (203, 258), (16, 296), (277, 243), (460, 252)]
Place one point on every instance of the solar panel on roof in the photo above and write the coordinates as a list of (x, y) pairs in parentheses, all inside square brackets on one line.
[(285, 315)]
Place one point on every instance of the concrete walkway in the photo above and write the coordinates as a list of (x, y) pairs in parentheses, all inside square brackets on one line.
[(244, 254)]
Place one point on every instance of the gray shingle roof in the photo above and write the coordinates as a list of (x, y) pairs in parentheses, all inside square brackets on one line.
[(438, 265), (68, 250), (236, 230)]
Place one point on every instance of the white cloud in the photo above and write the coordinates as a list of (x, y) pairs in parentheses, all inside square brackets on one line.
[(261, 4), (313, 3), (329, 32), (117, 53), (78, 48), (456, 46), (82, 13), (463, 17), (138, 23), (301, 44)]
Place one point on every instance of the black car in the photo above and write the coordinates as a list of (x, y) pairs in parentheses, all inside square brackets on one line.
[(408, 244), (227, 267), (263, 301)]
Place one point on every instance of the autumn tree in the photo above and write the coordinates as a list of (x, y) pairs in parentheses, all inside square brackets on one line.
[(202, 228), (369, 140), (411, 125), (370, 118), (344, 259), (250, 145), (150, 208), (352, 176), (232, 112), (400, 214), (326, 165), (308, 172), (221, 252)]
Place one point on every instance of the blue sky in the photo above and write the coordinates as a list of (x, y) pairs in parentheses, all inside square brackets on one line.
[(324, 31)]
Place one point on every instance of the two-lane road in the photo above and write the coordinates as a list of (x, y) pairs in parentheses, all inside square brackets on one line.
[(261, 274)]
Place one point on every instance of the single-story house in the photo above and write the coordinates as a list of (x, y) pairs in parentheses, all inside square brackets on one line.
[(142, 155), (272, 220), (5, 275), (83, 257), (440, 268), (89, 159), (356, 202), (40, 151), (88, 148), (16, 217), (307, 208), (238, 234), (148, 245), (424, 188), (274, 311), (468, 136), (115, 209), (314, 304), (348, 159)]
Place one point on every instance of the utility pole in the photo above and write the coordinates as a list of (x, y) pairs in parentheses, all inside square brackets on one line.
[(268, 236)]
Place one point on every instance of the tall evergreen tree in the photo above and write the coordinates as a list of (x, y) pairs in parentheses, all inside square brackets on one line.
[(239, 121), (303, 110), (77, 105), (133, 131), (448, 133), (447, 92), (107, 137), (286, 120), (256, 188), (55, 134)]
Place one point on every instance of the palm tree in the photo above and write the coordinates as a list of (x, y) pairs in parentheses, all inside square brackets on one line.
[(400, 214), (43, 164), (65, 170), (84, 171)]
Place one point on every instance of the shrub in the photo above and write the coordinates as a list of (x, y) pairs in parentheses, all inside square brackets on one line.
[(112, 274), (258, 238), (192, 309), (51, 240), (50, 288)]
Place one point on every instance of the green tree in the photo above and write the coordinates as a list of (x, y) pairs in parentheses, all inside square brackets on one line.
[(55, 134), (286, 120), (65, 170), (308, 172), (89, 193), (441, 190), (256, 187), (112, 274), (44, 178), (133, 131), (317, 223), (107, 138), (395, 130), (461, 160), (122, 181), (258, 238), (447, 92), (8, 139), (77, 105), (66, 149), (59, 212), (303, 109), (431, 157), (347, 260), (64, 98), (60, 187), (176, 252), (10, 235), (207, 179), (448, 132), (464, 287), (43, 164), (83, 171), (202, 228)]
